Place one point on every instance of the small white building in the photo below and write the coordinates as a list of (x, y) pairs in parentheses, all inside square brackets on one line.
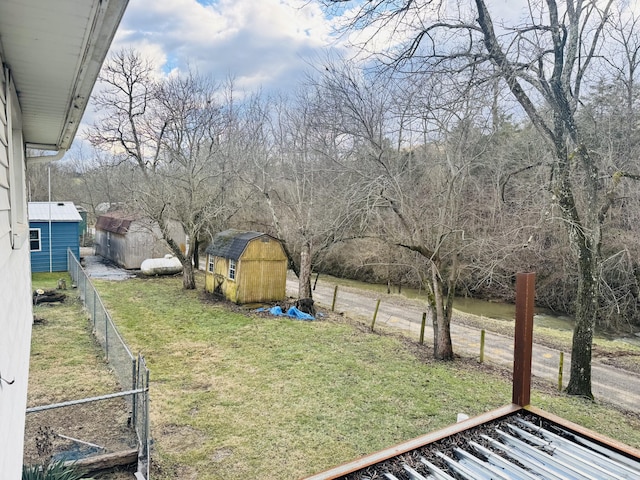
[(51, 52)]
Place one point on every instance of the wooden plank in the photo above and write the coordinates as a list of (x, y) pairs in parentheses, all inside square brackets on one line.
[(523, 338), (97, 463)]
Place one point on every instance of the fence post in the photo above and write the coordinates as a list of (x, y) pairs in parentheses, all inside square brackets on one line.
[(106, 334), (482, 334), (424, 321), (146, 414), (134, 386), (375, 314), (560, 369), (335, 294), (95, 309)]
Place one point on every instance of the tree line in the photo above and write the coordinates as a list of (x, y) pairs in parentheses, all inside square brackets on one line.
[(464, 153)]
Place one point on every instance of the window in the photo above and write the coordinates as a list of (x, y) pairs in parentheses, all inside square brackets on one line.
[(210, 266), (34, 240), (232, 269)]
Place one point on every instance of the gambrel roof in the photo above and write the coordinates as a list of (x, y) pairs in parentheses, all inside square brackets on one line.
[(231, 243), (116, 222)]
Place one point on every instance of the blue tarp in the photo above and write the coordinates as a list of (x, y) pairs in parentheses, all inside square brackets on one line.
[(293, 312)]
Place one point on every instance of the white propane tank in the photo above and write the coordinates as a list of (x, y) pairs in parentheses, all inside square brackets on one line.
[(169, 265)]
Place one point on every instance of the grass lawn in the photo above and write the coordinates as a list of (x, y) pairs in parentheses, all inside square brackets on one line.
[(67, 364), (237, 396)]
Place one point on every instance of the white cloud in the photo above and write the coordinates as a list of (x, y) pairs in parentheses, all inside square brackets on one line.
[(259, 43)]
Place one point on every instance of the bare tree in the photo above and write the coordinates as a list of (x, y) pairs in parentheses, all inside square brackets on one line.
[(170, 129), (412, 149), (127, 123), (186, 184), (310, 200), (544, 62)]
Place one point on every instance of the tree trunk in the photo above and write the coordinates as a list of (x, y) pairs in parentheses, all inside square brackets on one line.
[(188, 275), (443, 347), (196, 253), (304, 279), (586, 310), (188, 272)]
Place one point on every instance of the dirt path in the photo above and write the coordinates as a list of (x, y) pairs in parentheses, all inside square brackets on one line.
[(609, 384)]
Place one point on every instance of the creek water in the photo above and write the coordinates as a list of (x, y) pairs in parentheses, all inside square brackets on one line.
[(542, 317), (505, 311)]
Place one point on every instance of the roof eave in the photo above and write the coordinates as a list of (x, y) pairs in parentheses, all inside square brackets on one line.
[(105, 24)]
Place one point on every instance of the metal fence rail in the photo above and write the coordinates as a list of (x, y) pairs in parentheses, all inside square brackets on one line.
[(132, 372)]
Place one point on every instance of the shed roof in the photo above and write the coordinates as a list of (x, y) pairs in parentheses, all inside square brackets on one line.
[(56, 211), (116, 222), (54, 50), (231, 243)]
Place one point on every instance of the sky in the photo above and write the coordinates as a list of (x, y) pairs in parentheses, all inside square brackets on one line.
[(265, 45), (262, 44)]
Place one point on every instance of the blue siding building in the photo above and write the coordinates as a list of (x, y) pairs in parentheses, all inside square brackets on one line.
[(53, 228)]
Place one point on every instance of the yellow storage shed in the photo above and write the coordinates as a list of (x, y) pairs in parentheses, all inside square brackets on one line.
[(246, 267)]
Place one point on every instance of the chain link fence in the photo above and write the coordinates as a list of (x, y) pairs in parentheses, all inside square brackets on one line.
[(132, 372)]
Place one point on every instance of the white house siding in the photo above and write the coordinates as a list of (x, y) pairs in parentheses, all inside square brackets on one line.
[(5, 214), (15, 286)]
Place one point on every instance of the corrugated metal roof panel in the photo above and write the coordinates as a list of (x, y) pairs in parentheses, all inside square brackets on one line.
[(522, 445), (57, 211)]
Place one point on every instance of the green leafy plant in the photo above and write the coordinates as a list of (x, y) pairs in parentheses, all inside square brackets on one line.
[(54, 470)]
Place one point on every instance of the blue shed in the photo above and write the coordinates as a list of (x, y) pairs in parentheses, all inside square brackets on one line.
[(53, 228)]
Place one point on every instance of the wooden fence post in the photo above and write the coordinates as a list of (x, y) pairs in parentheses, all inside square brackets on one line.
[(375, 314), (560, 370), (335, 294)]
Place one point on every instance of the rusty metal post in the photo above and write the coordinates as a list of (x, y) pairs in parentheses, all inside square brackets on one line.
[(523, 338)]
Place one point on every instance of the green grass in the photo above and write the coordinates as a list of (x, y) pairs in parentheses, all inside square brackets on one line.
[(237, 396), (65, 361)]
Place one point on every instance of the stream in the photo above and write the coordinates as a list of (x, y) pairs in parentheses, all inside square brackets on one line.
[(542, 317), (506, 311)]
